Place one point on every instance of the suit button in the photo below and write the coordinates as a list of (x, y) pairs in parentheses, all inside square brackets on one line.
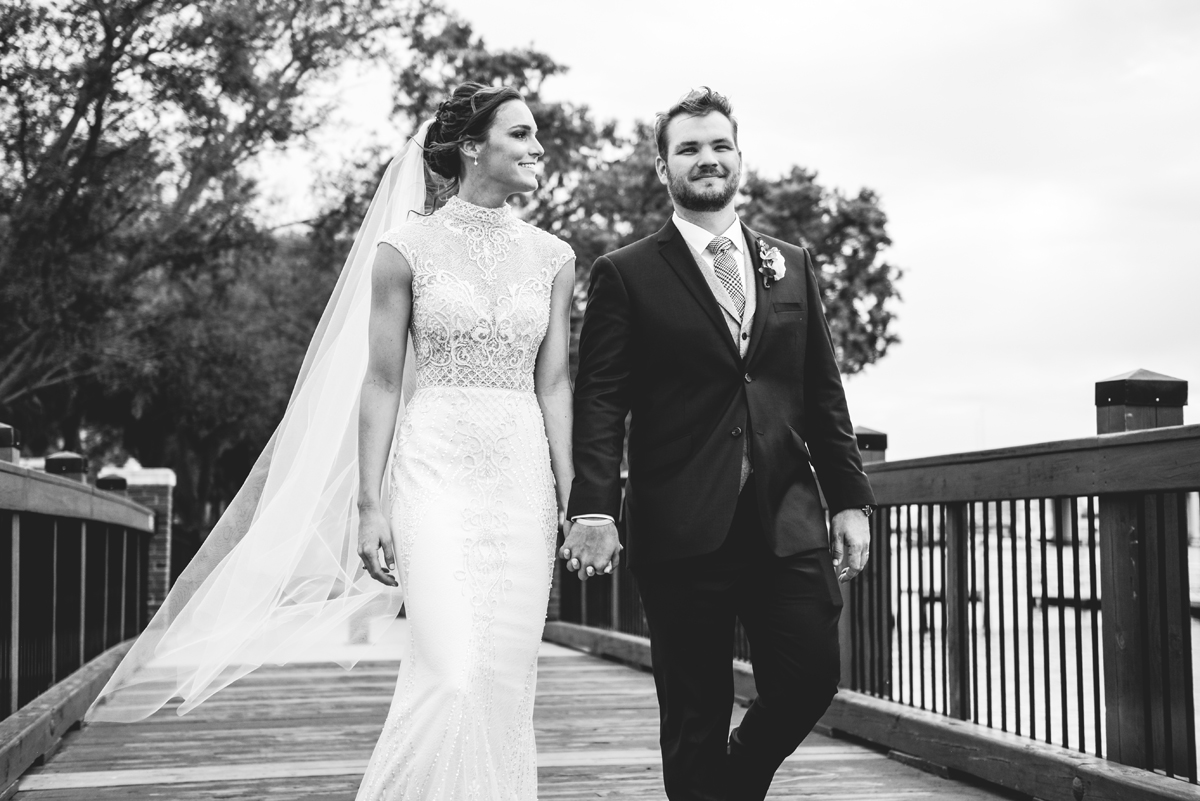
[(748, 378), (745, 335), (736, 432)]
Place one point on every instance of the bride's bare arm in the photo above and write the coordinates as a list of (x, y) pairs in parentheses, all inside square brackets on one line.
[(391, 307), (552, 382)]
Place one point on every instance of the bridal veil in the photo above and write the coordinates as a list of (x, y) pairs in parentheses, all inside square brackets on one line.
[(278, 579)]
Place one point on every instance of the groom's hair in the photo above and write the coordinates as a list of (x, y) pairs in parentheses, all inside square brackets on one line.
[(695, 103)]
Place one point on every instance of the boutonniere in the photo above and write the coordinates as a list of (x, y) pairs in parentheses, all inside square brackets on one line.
[(772, 266)]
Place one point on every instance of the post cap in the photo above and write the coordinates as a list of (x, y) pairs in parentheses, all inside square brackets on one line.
[(869, 439), (66, 463), (1141, 388), (112, 483), (9, 437)]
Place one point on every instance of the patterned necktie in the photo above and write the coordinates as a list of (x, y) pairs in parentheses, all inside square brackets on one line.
[(727, 272)]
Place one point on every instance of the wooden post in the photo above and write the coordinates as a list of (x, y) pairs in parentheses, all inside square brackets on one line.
[(1137, 400), (114, 484), (872, 446), (1144, 598), (10, 444), (957, 598), (68, 465)]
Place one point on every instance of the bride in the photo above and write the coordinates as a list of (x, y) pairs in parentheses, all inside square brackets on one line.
[(424, 459), (484, 444)]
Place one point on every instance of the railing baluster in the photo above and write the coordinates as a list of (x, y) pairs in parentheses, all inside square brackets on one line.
[(1060, 535), (1000, 611), (1074, 507), (1029, 619), (987, 608), (1094, 590), (54, 589), (83, 571), (973, 609), (124, 578), (1016, 625), (899, 607), (945, 584), (105, 595), (1046, 699), (922, 628), (14, 652)]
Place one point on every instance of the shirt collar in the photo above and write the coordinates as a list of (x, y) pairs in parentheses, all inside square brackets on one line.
[(699, 238)]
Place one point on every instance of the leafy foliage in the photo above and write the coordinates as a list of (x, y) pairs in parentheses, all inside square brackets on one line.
[(846, 238)]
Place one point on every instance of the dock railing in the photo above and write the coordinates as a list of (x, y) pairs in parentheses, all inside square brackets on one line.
[(1039, 593), (73, 588)]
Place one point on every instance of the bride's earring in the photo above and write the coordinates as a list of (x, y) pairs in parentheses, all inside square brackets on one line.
[(476, 160)]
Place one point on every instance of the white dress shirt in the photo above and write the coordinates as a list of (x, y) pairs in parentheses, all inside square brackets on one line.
[(698, 240)]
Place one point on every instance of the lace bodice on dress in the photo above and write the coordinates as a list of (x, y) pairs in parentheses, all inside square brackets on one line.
[(481, 294)]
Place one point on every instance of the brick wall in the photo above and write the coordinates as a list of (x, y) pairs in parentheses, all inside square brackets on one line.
[(152, 487), (158, 498)]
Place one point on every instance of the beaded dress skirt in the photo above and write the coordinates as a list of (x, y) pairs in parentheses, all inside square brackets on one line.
[(473, 511)]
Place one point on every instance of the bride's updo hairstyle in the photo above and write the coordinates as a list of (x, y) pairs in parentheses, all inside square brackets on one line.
[(463, 117)]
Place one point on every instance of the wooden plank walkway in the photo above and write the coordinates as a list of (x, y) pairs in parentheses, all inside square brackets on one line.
[(305, 732)]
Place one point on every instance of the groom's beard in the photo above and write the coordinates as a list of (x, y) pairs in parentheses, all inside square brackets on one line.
[(689, 197)]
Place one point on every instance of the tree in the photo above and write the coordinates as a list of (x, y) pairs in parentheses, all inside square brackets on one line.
[(126, 128), (846, 237)]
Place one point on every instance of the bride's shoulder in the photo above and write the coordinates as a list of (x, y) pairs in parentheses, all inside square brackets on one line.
[(406, 235), (551, 242)]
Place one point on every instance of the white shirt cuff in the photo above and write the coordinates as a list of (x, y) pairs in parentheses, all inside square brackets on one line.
[(593, 520)]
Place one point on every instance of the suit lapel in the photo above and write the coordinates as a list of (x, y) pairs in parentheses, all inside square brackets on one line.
[(760, 293), (677, 254)]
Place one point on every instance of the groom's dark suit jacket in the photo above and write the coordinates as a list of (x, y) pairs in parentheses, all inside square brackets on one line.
[(654, 341)]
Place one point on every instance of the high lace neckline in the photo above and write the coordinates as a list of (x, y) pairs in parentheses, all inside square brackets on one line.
[(468, 212)]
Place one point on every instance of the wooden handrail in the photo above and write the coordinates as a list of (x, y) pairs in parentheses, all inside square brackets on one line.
[(31, 491), (1154, 460)]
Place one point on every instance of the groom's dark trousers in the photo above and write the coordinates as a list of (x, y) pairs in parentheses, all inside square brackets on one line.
[(710, 395), (789, 608)]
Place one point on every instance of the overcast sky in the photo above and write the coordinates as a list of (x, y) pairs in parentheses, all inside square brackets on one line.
[(1038, 161)]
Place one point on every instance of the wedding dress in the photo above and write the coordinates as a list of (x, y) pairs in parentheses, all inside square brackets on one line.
[(473, 510)]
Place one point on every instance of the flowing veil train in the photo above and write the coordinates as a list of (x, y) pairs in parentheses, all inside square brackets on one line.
[(279, 578)]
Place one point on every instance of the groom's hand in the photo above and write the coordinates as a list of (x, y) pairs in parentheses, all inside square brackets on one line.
[(590, 550), (851, 544)]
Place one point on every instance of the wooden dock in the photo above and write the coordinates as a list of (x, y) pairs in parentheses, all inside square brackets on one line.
[(305, 732)]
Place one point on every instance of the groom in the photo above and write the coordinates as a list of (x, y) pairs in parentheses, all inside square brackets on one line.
[(714, 337)]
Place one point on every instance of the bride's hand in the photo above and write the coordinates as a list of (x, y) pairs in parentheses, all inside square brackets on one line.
[(374, 534)]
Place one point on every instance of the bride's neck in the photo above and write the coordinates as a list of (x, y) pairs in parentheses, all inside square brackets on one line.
[(488, 195)]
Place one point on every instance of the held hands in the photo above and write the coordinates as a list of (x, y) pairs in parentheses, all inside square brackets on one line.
[(374, 535), (590, 550), (851, 545)]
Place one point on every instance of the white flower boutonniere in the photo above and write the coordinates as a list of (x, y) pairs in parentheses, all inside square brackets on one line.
[(773, 268)]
